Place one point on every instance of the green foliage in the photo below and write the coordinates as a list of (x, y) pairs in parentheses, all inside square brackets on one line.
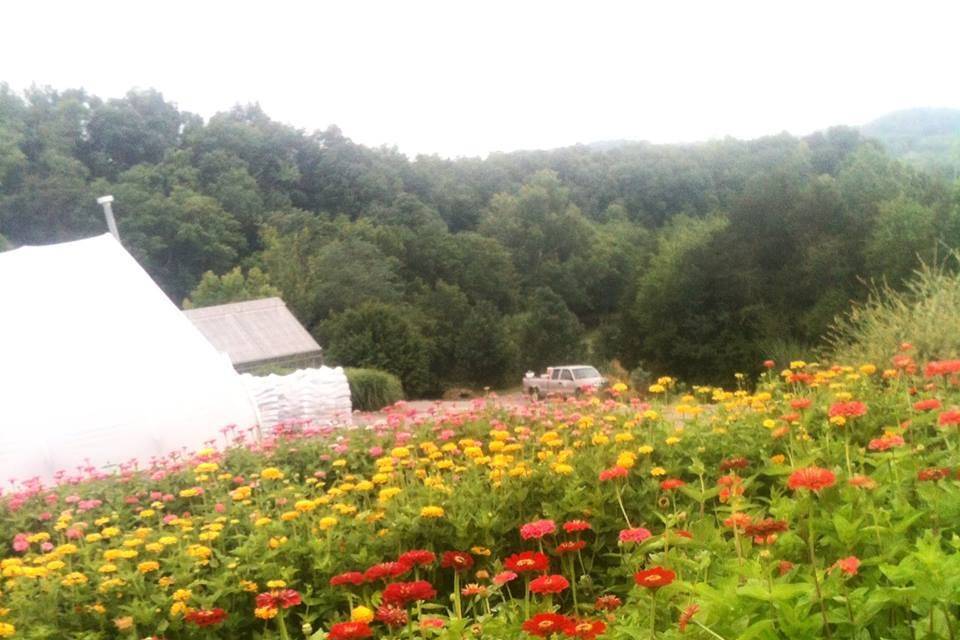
[(548, 333), (371, 389), (626, 237), (924, 314), (230, 287), (380, 336)]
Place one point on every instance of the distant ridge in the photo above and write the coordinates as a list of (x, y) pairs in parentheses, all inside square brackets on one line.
[(928, 137)]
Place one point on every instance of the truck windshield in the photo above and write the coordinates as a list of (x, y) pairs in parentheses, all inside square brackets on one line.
[(581, 373)]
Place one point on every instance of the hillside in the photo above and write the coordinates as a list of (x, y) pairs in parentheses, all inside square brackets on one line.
[(927, 137), (693, 259)]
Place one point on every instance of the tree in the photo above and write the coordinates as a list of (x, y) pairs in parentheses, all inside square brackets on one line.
[(484, 353), (547, 332), (380, 336), (232, 286)]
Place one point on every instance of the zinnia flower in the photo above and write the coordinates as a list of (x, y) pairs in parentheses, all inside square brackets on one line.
[(848, 565), (852, 409), (350, 631), (543, 625), (930, 404), (574, 526), (457, 560), (687, 616), (586, 629), (571, 546), (812, 478), (613, 473), (527, 561), (354, 578), (418, 558), (537, 529), (949, 418), (206, 617), (654, 578), (637, 534), (403, 593), (672, 483), (607, 603), (504, 577), (392, 616), (549, 584)]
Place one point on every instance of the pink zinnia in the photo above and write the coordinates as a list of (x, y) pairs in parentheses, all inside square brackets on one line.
[(537, 529), (504, 577), (638, 534)]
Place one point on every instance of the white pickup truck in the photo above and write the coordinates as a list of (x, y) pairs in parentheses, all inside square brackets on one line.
[(565, 380)]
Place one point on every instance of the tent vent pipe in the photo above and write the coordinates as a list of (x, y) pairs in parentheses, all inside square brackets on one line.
[(105, 202)]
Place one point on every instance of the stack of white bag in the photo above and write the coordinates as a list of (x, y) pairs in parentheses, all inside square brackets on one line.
[(319, 396)]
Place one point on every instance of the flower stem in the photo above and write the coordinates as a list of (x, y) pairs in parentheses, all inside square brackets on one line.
[(653, 614), (622, 509), (813, 563)]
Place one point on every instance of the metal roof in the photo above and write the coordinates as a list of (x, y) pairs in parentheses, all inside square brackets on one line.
[(253, 331)]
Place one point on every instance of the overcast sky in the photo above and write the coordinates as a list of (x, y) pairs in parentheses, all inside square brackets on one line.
[(468, 78)]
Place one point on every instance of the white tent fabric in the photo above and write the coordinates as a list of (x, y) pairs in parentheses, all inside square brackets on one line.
[(97, 365), (319, 396)]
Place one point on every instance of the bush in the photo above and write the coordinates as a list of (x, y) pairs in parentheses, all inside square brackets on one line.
[(381, 336), (371, 389), (924, 314)]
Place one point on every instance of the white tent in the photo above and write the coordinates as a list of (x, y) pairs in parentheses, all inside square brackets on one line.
[(98, 365)]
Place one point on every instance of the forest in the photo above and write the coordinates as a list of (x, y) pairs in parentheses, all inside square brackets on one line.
[(694, 259)]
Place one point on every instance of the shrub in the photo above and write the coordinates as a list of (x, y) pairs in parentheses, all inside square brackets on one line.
[(924, 313), (371, 389)]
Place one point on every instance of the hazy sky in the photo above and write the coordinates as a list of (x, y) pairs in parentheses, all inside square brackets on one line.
[(467, 78)]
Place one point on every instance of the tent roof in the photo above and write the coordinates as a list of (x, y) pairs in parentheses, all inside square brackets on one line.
[(98, 366), (253, 331)]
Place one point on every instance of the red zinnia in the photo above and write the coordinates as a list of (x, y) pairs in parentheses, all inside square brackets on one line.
[(812, 478), (734, 463), (349, 631), (549, 584), (206, 617), (607, 603), (457, 560), (948, 418), (527, 561), (392, 616), (885, 443), (933, 474), (930, 404), (354, 578), (654, 578), (574, 526), (278, 599), (800, 403), (544, 625), (852, 409), (848, 565), (941, 368), (672, 483), (386, 570), (613, 473), (687, 616), (586, 629), (403, 593), (418, 557), (571, 547)]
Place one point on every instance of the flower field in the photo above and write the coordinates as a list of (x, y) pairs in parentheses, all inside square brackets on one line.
[(824, 502)]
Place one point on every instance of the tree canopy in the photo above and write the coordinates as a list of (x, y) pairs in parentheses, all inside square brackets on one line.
[(680, 258)]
